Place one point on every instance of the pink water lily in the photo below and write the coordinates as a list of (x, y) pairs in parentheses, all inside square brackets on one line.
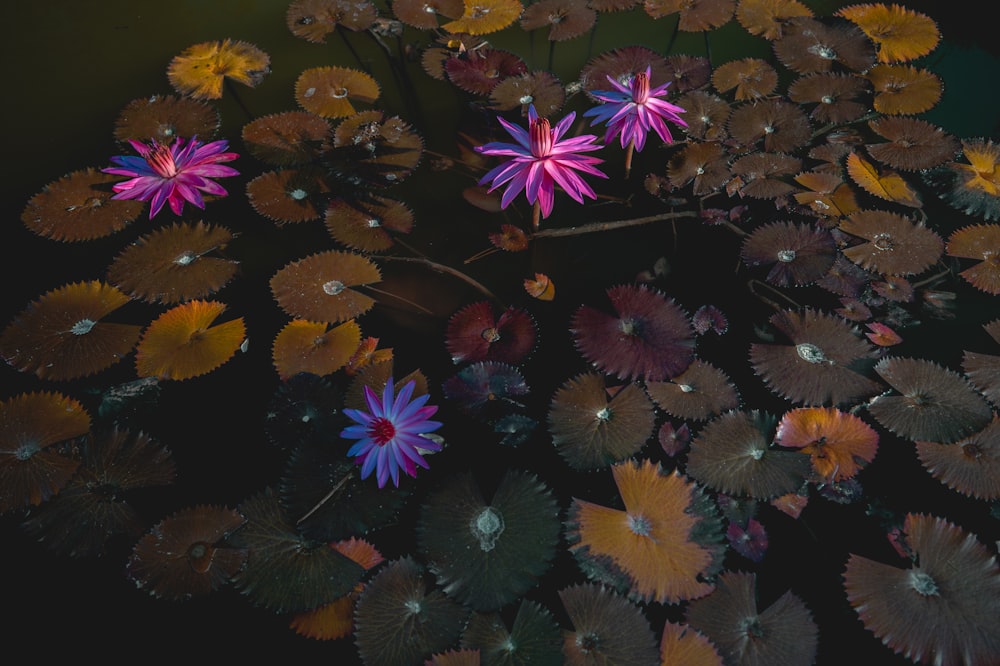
[(632, 109), (540, 160), (172, 174)]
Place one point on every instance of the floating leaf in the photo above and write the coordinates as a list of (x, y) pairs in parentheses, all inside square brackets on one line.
[(481, 17), (980, 242), (329, 91), (904, 90), (32, 469), (887, 185), (314, 347), (882, 335), (318, 287), (766, 18), (182, 342), (749, 78), (664, 545), (175, 263), (79, 207), (541, 287), (941, 609), (200, 70), (826, 194), (839, 444), (901, 34), (744, 633), (185, 555), (62, 335)]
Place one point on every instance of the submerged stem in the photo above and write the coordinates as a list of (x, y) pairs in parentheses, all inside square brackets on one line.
[(479, 255), (673, 35), (932, 279), (236, 96), (456, 160), (595, 227), (409, 247), (326, 498), (397, 297), (350, 47), (753, 284), (442, 268), (411, 90)]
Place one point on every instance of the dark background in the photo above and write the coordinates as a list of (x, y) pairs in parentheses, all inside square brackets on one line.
[(68, 68)]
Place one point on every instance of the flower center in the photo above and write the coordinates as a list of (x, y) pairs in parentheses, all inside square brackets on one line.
[(333, 287), (882, 242), (923, 583), (640, 88), (487, 528), (811, 353), (639, 525), (823, 51), (630, 327), (541, 137), (83, 327), (588, 642), (751, 627), (381, 431), (26, 449), (162, 160)]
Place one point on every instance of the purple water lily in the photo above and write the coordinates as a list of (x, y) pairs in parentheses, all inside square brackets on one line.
[(632, 109), (540, 160), (172, 174), (391, 433)]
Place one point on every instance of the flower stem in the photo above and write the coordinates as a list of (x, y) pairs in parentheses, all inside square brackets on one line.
[(673, 36), (628, 157), (456, 160), (236, 96), (397, 297), (536, 212), (354, 52), (479, 255), (932, 279), (409, 89), (326, 498), (590, 41), (595, 227), (441, 268), (398, 68), (753, 286), (413, 250)]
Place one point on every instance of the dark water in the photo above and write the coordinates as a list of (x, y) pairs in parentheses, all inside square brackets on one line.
[(70, 67)]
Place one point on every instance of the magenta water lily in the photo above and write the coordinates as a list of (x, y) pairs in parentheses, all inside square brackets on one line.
[(540, 160), (391, 433), (632, 109), (173, 174)]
